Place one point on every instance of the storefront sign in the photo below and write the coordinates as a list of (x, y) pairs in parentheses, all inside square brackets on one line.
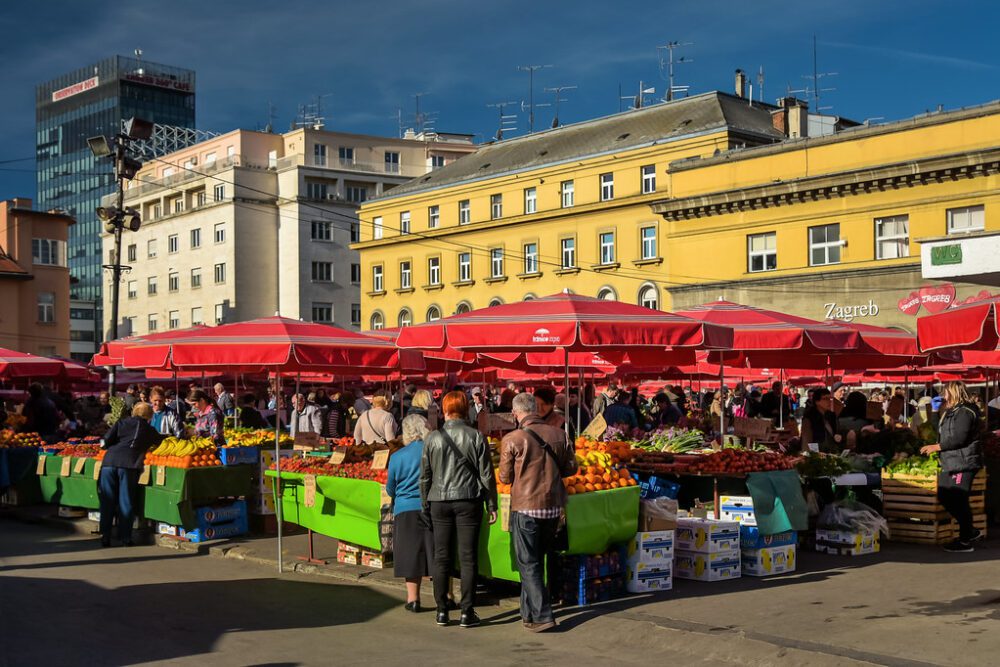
[(158, 81), (946, 254), (70, 91), (835, 311), (934, 298)]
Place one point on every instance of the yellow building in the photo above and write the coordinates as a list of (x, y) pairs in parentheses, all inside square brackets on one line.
[(682, 203)]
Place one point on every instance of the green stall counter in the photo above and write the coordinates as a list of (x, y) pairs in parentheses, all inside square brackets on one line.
[(183, 489), (75, 489)]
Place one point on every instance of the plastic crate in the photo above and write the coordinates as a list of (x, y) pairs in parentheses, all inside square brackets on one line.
[(656, 487), (212, 515), (589, 591), (232, 456)]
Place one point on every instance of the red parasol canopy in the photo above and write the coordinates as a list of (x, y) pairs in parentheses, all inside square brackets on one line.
[(973, 326), (110, 353), (14, 364)]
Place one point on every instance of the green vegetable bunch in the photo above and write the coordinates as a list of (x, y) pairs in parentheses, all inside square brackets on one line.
[(921, 466)]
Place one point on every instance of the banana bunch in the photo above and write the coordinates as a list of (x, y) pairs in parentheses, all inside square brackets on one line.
[(600, 459), (177, 447)]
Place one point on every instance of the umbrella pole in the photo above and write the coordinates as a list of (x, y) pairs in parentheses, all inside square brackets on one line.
[(781, 398), (236, 407), (566, 390), (906, 395), (722, 404), (277, 465), (579, 401), (177, 394)]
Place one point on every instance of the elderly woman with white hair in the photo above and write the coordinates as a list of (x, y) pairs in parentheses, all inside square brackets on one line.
[(412, 542)]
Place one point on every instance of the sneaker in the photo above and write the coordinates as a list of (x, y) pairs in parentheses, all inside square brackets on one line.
[(451, 605), (442, 618), (470, 619), (412, 606), (958, 546), (977, 536), (539, 627)]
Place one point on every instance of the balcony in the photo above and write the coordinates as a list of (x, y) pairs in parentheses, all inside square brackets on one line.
[(390, 168), (192, 173)]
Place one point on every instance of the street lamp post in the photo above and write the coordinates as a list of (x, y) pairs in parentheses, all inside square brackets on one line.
[(117, 218)]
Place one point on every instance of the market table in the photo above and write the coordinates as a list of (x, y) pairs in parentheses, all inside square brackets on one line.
[(76, 489), (174, 501), (16, 463)]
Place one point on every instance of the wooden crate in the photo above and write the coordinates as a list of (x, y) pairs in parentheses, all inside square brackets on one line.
[(914, 514)]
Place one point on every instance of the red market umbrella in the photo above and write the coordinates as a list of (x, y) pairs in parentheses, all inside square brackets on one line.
[(972, 326), (110, 352), (14, 364)]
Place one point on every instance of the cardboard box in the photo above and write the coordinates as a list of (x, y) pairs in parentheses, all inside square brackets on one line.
[(347, 556), (645, 578), (651, 548), (651, 515), (220, 513), (698, 566), (768, 561), (846, 543), (372, 559), (215, 532), (738, 509), (751, 538), (707, 535)]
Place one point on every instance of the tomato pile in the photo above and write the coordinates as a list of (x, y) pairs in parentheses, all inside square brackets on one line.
[(314, 465), (740, 461)]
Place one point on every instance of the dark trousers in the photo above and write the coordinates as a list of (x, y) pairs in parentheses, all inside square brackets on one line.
[(533, 539), (456, 520), (118, 490), (953, 492)]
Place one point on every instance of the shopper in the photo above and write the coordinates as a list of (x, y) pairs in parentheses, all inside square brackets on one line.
[(961, 460), (533, 460), (165, 419), (478, 404), (423, 405), (819, 423), (456, 477), (605, 399), (412, 542), (40, 414), (853, 420), (210, 422), (336, 417), (375, 426), (545, 403), (774, 405), (250, 417), (131, 397), (306, 417), (667, 413), (126, 445), (224, 400), (361, 404), (619, 413)]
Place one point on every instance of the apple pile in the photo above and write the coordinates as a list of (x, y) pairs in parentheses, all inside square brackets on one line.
[(11, 440)]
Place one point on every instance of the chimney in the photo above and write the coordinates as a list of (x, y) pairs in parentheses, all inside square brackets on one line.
[(741, 84), (791, 118)]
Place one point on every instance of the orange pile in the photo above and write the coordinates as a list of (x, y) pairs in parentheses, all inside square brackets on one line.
[(193, 461)]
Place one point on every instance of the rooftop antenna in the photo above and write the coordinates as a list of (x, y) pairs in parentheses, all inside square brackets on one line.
[(669, 63), (638, 101), (557, 91), (816, 89), (138, 58), (506, 121), (398, 117), (271, 115), (760, 83), (418, 118), (530, 69)]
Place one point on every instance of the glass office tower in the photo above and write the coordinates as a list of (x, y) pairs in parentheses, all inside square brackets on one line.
[(87, 102)]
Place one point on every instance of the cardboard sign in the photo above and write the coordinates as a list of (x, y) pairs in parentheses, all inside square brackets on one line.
[(504, 512), (307, 441), (161, 475), (386, 498), (97, 469), (40, 468), (338, 455), (309, 487), (67, 466), (813, 447), (144, 477), (494, 422), (78, 468), (596, 428), (380, 459)]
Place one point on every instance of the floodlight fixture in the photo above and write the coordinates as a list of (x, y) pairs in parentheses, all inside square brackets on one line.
[(99, 146)]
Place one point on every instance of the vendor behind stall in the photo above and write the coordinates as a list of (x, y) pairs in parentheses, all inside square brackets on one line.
[(819, 423), (376, 426)]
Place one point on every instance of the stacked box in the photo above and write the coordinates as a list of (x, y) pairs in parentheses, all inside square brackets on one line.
[(262, 502), (738, 509), (594, 578), (656, 487), (847, 543), (752, 538), (649, 562), (215, 522), (766, 561), (232, 456), (707, 549), (353, 554)]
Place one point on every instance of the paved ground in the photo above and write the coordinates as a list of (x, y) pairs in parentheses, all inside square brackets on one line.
[(66, 601)]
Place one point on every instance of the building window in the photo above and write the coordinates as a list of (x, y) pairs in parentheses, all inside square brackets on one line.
[(377, 322), (607, 294), (967, 219), (496, 263), (405, 318), (209, 158), (648, 235), (762, 252), (464, 267), (151, 248), (434, 271), (319, 155), (220, 192), (892, 237), (346, 156), (173, 282), (433, 314), (322, 312), (316, 190), (464, 212), (200, 198), (179, 205), (607, 187), (648, 297), (437, 161), (377, 228), (824, 245), (355, 274), (496, 207), (607, 243), (566, 190), (405, 275), (196, 238), (356, 194), (531, 258), (196, 316), (322, 272), (568, 253), (404, 222), (131, 325), (174, 318), (155, 212), (355, 232), (220, 233), (133, 252), (220, 313), (196, 278), (377, 285), (48, 252), (220, 274), (648, 179), (320, 230), (355, 314), (46, 307), (133, 289), (151, 286), (463, 307), (391, 162), (433, 216), (494, 302), (151, 322), (173, 244), (530, 200)]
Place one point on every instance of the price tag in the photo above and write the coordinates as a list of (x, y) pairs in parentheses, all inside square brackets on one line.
[(40, 468), (309, 497), (380, 459), (161, 475), (67, 466), (78, 468), (144, 477), (596, 428), (338, 455), (813, 447), (386, 498), (97, 469)]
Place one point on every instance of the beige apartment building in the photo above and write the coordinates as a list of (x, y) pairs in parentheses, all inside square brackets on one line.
[(249, 224)]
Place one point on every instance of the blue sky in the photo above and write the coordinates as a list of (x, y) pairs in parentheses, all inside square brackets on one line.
[(893, 59)]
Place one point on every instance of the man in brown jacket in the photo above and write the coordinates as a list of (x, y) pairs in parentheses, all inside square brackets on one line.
[(533, 460)]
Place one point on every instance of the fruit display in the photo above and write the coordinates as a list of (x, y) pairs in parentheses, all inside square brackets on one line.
[(177, 453), (247, 437), (740, 461), (14, 421), (11, 440), (319, 465), (601, 467), (88, 447)]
